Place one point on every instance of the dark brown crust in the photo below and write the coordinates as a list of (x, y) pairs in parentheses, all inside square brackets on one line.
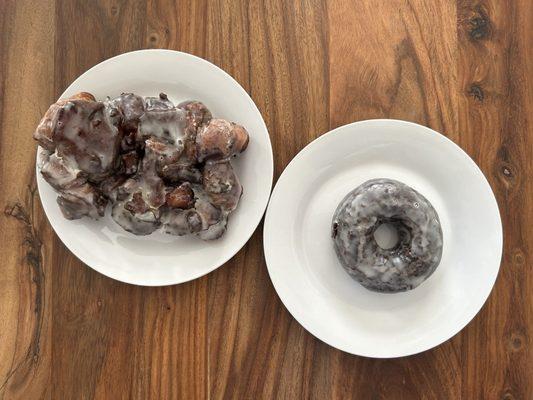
[(221, 139), (181, 197), (45, 129)]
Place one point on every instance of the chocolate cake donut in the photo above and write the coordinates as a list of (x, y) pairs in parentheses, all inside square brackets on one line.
[(418, 250)]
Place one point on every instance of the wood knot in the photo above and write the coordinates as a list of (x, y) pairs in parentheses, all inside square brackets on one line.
[(507, 395), (505, 168), (480, 25), (476, 92), (518, 258), (114, 10), (516, 342), (153, 38), (18, 212), (506, 171), (99, 303)]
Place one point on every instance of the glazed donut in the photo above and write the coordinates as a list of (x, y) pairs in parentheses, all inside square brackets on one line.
[(132, 108), (196, 115), (222, 185), (45, 130), (133, 209), (82, 201), (162, 120), (87, 136), (205, 220), (417, 252), (158, 165), (220, 139)]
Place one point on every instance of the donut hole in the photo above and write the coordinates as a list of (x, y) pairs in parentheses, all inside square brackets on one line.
[(386, 235)]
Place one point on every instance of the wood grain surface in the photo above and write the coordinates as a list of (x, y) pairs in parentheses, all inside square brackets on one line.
[(464, 68)]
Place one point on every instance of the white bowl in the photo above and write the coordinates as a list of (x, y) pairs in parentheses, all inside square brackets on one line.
[(161, 259), (310, 280)]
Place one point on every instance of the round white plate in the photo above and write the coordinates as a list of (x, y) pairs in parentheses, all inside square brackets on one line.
[(311, 282), (161, 259)]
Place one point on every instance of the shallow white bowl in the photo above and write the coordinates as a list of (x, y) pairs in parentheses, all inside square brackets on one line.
[(321, 295), (161, 259)]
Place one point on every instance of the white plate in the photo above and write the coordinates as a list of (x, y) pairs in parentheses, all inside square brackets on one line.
[(311, 282), (161, 259)]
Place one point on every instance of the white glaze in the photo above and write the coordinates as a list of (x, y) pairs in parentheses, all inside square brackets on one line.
[(162, 120), (418, 252), (59, 174), (138, 224)]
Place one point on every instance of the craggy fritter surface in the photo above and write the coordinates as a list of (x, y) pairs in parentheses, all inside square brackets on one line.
[(160, 166)]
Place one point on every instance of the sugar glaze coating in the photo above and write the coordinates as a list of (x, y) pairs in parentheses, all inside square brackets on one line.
[(418, 251), (158, 165)]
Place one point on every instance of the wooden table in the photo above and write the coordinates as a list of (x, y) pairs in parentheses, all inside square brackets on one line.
[(463, 68)]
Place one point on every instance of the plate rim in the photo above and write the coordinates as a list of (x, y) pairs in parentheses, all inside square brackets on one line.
[(263, 207), (317, 141)]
